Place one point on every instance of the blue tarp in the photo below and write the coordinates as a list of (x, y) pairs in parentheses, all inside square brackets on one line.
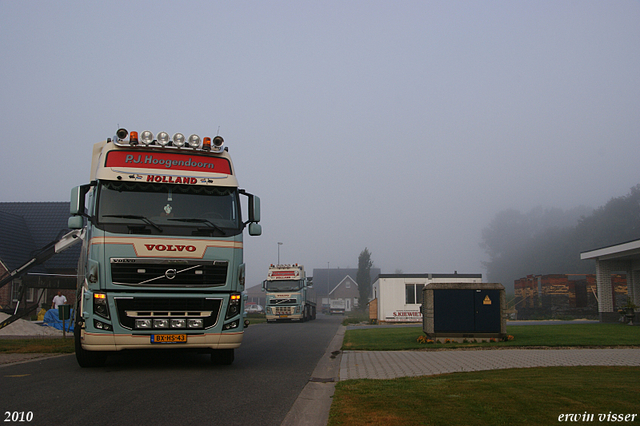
[(52, 318)]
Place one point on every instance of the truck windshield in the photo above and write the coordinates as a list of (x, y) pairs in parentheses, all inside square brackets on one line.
[(283, 285), (151, 208)]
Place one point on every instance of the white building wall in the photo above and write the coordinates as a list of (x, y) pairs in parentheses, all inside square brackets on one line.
[(391, 295)]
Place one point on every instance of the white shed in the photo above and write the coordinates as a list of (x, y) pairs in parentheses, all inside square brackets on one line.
[(398, 297)]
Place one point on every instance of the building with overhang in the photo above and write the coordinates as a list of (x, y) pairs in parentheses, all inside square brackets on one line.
[(624, 257)]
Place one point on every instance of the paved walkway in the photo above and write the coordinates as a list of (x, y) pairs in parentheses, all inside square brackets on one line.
[(393, 364)]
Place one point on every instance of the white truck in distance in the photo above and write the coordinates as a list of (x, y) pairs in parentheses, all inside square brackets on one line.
[(288, 294)]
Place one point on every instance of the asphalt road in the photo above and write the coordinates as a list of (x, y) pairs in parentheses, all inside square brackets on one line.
[(270, 370)]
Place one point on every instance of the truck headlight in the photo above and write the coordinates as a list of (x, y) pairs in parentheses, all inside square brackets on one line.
[(179, 323), (160, 323), (100, 305), (234, 306), (195, 323), (143, 323)]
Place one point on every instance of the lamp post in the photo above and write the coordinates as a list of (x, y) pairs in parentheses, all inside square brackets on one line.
[(279, 244)]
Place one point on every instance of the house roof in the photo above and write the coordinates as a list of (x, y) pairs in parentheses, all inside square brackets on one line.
[(456, 275), (27, 227), (629, 250), (326, 279), (347, 278)]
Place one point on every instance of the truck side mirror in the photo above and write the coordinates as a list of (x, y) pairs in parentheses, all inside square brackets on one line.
[(75, 222), (77, 207), (255, 229), (254, 209)]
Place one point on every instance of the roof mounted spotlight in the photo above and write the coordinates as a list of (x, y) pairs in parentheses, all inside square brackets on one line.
[(146, 137), (178, 139), (121, 134), (194, 141), (218, 142), (163, 138)]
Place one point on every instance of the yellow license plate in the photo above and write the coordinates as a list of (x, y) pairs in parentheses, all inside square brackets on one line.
[(168, 338), (284, 316)]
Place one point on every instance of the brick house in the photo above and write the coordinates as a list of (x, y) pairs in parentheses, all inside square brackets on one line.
[(346, 290)]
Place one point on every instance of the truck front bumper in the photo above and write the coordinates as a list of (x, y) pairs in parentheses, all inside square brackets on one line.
[(118, 342)]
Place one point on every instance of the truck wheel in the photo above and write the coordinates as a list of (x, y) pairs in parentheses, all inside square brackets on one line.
[(87, 359), (222, 356)]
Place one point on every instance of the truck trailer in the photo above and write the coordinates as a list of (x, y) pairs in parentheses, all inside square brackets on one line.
[(162, 259)]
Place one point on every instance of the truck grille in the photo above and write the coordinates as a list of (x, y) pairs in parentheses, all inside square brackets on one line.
[(130, 308), (164, 273), (282, 301)]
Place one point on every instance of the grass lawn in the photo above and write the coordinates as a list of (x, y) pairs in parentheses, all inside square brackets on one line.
[(531, 396), (405, 338), (37, 345)]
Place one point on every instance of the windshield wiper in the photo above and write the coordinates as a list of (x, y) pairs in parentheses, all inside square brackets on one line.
[(196, 220), (133, 216)]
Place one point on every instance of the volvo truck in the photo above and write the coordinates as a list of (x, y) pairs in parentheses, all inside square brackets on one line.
[(288, 294), (162, 259)]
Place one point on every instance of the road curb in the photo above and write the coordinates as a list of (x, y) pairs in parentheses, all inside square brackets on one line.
[(312, 406)]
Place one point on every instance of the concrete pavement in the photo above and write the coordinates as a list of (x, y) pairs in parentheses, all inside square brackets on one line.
[(394, 364)]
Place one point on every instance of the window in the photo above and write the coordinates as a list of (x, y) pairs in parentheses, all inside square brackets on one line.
[(15, 291), (413, 294), (151, 208)]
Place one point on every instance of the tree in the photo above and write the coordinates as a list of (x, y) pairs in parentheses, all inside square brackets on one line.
[(363, 278), (550, 241)]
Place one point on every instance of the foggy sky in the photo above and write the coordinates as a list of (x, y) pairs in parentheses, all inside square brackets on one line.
[(403, 127)]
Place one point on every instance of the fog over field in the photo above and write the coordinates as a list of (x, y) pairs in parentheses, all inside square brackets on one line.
[(403, 127)]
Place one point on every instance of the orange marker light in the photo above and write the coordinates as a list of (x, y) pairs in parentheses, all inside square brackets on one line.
[(99, 296), (133, 138), (206, 144)]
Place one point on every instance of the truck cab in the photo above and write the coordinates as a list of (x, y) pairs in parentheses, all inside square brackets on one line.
[(288, 294)]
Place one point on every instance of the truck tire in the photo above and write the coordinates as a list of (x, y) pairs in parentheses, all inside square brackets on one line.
[(87, 359), (222, 356)]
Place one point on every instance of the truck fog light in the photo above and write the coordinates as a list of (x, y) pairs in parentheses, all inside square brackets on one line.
[(102, 326), (231, 325), (178, 323), (195, 323), (160, 323), (143, 323)]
